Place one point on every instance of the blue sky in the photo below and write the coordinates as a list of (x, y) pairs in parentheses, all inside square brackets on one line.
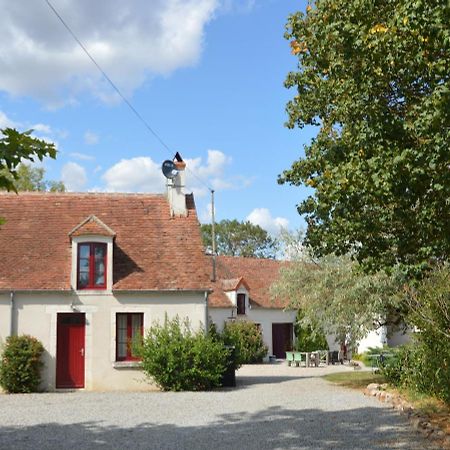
[(207, 75)]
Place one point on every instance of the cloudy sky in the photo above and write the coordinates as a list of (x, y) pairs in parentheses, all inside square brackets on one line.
[(206, 75)]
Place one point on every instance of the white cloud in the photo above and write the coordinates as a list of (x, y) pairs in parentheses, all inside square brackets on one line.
[(263, 218), (142, 174), (205, 215), (90, 138), (82, 156), (211, 173), (130, 40), (6, 122), (73, 176), (42, 128), (139, 174)]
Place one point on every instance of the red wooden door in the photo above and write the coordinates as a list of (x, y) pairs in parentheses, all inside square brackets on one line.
[(281, 339), (70, 350)]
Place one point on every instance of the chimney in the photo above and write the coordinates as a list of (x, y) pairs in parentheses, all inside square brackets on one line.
[(175, 189)]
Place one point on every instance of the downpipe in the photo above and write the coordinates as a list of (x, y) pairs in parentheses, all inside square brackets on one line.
[(206, 313), (11, 323)]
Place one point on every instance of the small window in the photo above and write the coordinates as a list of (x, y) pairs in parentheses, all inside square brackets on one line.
[(91, 266), (129, 328), (241, 303)]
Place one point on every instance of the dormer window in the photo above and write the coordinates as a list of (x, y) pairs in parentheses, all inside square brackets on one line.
[(240, 303), (92, 256), (92, 264)]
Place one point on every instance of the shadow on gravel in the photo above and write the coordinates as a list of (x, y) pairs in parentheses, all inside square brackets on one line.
[(243, 381), (273, 428)]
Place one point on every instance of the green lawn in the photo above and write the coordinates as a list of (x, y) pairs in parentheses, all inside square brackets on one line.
[(354, 380)]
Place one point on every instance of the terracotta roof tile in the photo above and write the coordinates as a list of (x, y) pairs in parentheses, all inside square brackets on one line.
[(234, 284), (152, 250), (259, 274), (92, 226)]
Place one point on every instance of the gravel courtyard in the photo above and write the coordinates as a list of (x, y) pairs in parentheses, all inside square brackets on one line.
[(273, 407)]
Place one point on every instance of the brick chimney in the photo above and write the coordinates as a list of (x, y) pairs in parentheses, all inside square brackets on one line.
[(175, 189)]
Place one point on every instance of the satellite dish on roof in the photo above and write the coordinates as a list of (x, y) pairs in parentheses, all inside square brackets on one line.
[(169, 169)]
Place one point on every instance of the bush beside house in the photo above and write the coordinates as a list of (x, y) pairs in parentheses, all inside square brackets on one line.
[(20, 367), (247, 339), (180, 359)]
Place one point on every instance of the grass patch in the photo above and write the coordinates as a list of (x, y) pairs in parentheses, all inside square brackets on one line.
[(437, 411), (354, 380)]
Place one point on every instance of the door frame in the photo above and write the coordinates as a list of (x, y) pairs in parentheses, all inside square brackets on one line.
[(73, 352)]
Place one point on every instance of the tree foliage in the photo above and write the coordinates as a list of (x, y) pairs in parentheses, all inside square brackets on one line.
[(310, 337), (31, 178), (336, 296), (234, 238), (374, 78), (15, 148)]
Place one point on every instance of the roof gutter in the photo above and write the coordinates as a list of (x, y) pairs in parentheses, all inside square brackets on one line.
[(166, 291)]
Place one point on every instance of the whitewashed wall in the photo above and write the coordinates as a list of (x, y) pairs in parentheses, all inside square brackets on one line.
[(264, 316), (36, 314)]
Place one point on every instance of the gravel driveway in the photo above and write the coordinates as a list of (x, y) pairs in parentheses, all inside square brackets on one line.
[(273, 407)]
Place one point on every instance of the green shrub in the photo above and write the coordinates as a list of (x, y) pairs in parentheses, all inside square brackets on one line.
[(424, 365), (20, 367), (421, 367), (179, 359), (247, 339), (394, 368), (368, 357)]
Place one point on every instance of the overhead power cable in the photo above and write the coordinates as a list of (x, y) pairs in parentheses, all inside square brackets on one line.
[(118, 91)]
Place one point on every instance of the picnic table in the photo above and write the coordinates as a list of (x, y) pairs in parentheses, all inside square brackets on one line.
[(309, 358)]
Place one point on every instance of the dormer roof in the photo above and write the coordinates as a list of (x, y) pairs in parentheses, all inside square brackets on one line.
[(234, 284), (92, 225)]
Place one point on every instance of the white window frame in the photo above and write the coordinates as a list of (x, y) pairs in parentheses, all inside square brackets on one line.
[(76, 240)]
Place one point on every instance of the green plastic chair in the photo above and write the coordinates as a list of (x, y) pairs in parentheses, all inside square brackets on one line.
[(290, 358), (298, 359)]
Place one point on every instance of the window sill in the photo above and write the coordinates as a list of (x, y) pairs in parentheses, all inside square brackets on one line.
[(90, 292), (127, 364)]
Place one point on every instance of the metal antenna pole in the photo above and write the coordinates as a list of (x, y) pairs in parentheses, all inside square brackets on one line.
[(213, 236)]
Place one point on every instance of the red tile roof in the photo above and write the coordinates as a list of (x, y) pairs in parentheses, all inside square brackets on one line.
[(92, 226), (234, 284), (259, 274), (152, 250)]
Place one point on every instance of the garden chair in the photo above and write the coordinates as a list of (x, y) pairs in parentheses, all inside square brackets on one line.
[(298, 359), (290, 358)]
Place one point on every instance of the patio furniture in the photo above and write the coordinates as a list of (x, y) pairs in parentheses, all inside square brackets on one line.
[(315, 359), (333, 357), (298, 358), (323, 356), (290, 358)]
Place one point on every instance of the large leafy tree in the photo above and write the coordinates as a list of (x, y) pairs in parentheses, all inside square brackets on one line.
[(234, 238), (30, 178), (16, 148), (335, 296), (374, 78)]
